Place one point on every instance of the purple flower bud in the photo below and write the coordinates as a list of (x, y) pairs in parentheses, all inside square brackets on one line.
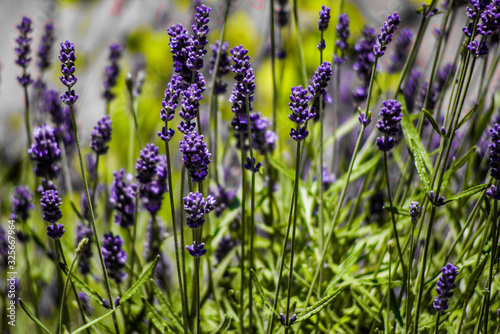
[(493, 192), (50, 203), (123, 198), (401, 46), (23, 50), (324, 18), (196, 250), (365, 57), (112, 71), (478, 49), (101, 136), (45, 152), (445, 285), (190, 108), (115, 257), (320, 80), (414, 209), (55, 231), (251, 166), (342, 32), (364, 119), (146, 163), (197, 207), (67, 57), (224, 66), (386, 33), (389, 124), (495, 152), (44, 52), (195, 156)]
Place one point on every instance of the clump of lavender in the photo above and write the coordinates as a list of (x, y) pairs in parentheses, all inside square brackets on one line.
[(389, 124), (101, 136), (244, 88), (152, 192), (410, 90), (112, 71), (197, 207), (495, 152), (82, 232), (169, 103), (123, 198), (67, 57), (299, 105), (115, 257), (224, 66), (146, 163), (22, 203), (401, 46), (61, 117), (385, 34), (190, 108), (23, 50), (342, 36), (195, 156), (445, 285), (45, 152), (196, 250), (44, 51)]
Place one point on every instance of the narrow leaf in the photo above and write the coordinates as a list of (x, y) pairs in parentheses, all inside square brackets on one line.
[(469, 192), (165, 305), (154, 316), (82, 285), (223, 327), (456, 165), (473, 278), (395, 210), (146, 274), (95, 321), (419, 164), (410, 132), (76, 211), (431, 119), (467, 116), (395, 309), (318, 306), (32, 316), (346, 265), (262, 295)]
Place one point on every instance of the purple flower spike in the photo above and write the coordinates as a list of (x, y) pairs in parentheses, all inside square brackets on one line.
[(252, 166), (495, 152), (389, 124), (478, 49), (123, 198), (364, 49), (224, 66), (22, 203), (414, 209), (364, 119), (23, 50), (320, 79), (55, 231), (342, 36), (171, 100), (195, 156), (50, 103), (152, 192), (197, 207), (190, 108), (298, 104), (44, 52), (67, 57), (50, 203), (324, 18), (445, 285), (385, 34), (101, 136), (179, 43), (45, 152), (411, 88), (112, 71), (493, 192), (146, 163), (115, 257), (196, 50), (400, 52), (196, 250)]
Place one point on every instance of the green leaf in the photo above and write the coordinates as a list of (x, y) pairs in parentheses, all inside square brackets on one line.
[(262, 295), (165, 305), (146, 274), (288, 173), (82, 285), (223, 327), (32, 316), (395, 308), (76, 211), (346, 265), (473, 278), (467, 116), (469, 192), (95, 321), (410, 132), (318, 306), (433, 122), (398, 211), (419, 164), (456, 165), (155, 317)]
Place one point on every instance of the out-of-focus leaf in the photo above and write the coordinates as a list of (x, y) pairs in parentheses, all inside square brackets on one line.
[(146, 274), (419, 164), (32, 316), (397, 211), (223, 327), (82, 285), (318, 306), (431, 119), (410, 132), (467, 116), (346, 265)]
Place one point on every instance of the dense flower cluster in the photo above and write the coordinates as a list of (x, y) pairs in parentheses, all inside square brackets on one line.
[(22, 203), (152, 192), (196, 250), (411, 88), (401, 46), (23, 50), (244, 88), (82, 232), (195, 156), (146, 163), (445, 285), (320, 80), (224, 66), (197, 207), (101, 136), (179, 43), (324, 18), (67, 57), (61, 116), (414, 209), (55, 231), (342, 36), (44, 51), (115, 257), (386, 33), (364, 62), (169, 103), (50, 203), (190, 108), (495, 152), (389, 124), (123, 198), (45, 152), (112, 71), (299, 105)]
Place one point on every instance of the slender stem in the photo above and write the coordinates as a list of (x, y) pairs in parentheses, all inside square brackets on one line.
[(64, 291), (181, 195), (197, 289), (96, 181), (273, 63), (66, 174), (294, 228), (388, 328), (436, 331), (492, 263), (92, 216), (134, 235), (243, 229), (134, 117), (27, 112), (176, 243)]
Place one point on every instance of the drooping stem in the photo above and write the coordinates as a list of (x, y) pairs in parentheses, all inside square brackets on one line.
[(92, 221)]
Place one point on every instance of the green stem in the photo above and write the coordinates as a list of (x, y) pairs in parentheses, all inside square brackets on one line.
[(197, 290), (92, 216), (134, 117), (64, 291), (27, 112), (243, 228), (273, 64), (96, 181), (437, 323), (388, 328), (134, 235), (493, 261), (181, 195)]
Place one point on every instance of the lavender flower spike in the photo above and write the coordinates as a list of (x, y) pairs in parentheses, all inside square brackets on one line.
[(197, 207), (196, 250), (196, 50), (224, 66), (342, 36), (67, 57), (115, 257), (146, 163), (22, 203), (101, 136), (324, 18), (190, 108), (55, 231), (45, 152), (445, 285), (23, 50), (44, 52), (170, 102), (389, 124), (386, 33), (495, 152), (400, 52), (50, 203), (123, 199), (299, 101), (320, 79), (112, 71), (195, 156)]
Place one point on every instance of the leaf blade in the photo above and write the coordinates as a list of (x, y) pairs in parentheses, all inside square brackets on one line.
[(146, 274)]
